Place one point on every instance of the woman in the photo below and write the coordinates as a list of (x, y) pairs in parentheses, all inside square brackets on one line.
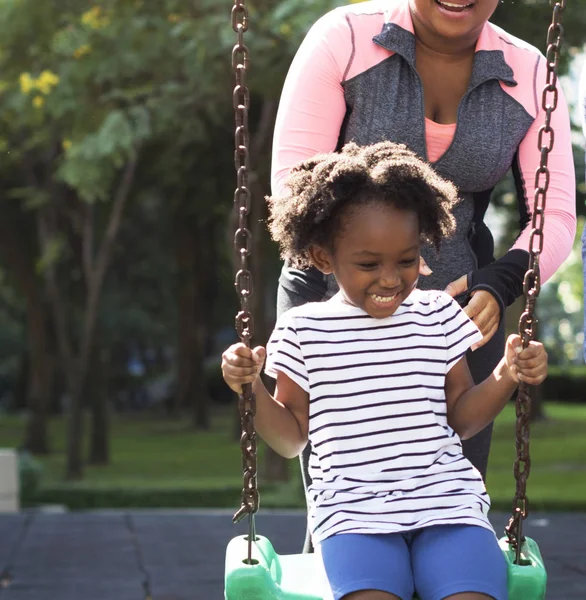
[(465, 96)]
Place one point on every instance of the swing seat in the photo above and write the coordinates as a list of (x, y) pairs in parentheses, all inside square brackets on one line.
[(301, 576), (528, 579)]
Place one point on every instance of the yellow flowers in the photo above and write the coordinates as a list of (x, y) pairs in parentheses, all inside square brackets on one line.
[(46, 81), (44, 84), (82, 51), (66, 144), (26, 83), (94, 18)]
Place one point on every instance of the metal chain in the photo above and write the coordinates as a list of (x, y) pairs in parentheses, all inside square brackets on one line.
[(243, 279), (532, 281)]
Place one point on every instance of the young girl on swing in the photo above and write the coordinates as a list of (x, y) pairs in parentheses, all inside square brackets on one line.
[(377, 380)]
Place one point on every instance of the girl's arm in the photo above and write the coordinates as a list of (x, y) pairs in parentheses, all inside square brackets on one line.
[(472, 407), (281, 421)]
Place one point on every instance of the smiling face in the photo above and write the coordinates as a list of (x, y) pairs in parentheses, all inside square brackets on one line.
[(375, 257), (451, 19)]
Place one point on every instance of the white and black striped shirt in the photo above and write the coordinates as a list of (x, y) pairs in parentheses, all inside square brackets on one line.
[(384, 458)]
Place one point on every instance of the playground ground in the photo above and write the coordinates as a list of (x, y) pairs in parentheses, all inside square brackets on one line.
[(179, 555)]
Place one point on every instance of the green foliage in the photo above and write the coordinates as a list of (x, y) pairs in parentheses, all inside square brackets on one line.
[(566, 383), (85, 87), (30, 475), (560, 308)]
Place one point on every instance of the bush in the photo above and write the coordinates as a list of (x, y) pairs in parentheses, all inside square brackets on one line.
[(566, 384), (88, 498), (30, 474)]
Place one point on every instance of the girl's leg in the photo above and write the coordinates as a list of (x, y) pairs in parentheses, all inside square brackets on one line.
[(459, 562), (368, 566), (481, 363)]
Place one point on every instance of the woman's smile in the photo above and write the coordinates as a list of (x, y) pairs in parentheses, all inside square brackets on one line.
[(456, 10)]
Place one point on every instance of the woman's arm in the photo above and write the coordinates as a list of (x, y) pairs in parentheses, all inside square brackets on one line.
[(312, 105), (560, 209), (504, 277)]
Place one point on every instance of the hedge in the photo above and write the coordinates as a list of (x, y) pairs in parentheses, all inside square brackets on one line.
[(566, 384), (87, 498)]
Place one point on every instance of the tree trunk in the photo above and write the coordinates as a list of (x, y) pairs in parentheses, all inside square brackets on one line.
[(76, 363), (40, 383), (17, 255), (185, 255), (206, 286), (99, 450)]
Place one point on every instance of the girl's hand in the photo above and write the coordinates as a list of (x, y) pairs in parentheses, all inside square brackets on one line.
[(241, 364), (483, 309), (528, 365)]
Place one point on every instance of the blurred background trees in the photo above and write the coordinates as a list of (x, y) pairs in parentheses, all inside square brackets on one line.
[(116, 187)]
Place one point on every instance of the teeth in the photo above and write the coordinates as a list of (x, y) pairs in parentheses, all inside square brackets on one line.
[(450, 5), (383, 298)]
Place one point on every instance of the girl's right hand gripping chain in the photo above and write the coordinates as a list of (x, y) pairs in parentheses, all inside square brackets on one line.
[(241, 364)]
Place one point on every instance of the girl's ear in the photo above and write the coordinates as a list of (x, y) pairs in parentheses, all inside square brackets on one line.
[(321, 259)]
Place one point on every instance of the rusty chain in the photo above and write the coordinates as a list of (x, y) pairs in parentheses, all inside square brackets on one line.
[(532, 281), (243, 278)]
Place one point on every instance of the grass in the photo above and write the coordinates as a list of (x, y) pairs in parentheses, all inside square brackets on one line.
[(558, 458), (146, 452), (167, 456)]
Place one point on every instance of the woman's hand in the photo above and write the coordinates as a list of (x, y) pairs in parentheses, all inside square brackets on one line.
[(483, 309), (423, 268), (528, 365), (241, 365)]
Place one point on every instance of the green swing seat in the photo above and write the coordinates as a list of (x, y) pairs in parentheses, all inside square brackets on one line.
[(300, 577)]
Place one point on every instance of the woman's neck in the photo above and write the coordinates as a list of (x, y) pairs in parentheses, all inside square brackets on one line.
[(444, 51), (440, 47)]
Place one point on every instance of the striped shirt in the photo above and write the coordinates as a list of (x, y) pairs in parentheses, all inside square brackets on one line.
[(384, 458)]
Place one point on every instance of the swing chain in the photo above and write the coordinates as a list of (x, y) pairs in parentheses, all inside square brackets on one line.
[(532, 281), (243, 246)]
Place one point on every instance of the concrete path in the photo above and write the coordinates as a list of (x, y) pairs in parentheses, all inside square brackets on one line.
[(179, 555)]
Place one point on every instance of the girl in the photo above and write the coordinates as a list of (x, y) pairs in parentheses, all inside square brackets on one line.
[(376, 379)]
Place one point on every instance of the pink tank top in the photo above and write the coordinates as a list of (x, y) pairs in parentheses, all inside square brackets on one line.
[(438, 137)]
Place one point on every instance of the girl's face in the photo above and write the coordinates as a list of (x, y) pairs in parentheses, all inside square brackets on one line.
[(452, 19), (375, 258)]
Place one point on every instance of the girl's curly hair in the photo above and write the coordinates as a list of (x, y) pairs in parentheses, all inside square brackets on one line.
[(325, 186)]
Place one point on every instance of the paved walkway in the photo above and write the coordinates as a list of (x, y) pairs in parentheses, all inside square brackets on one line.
[(180, 555)]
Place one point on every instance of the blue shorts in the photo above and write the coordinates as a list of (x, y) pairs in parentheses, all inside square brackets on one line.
[(435, 562)]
